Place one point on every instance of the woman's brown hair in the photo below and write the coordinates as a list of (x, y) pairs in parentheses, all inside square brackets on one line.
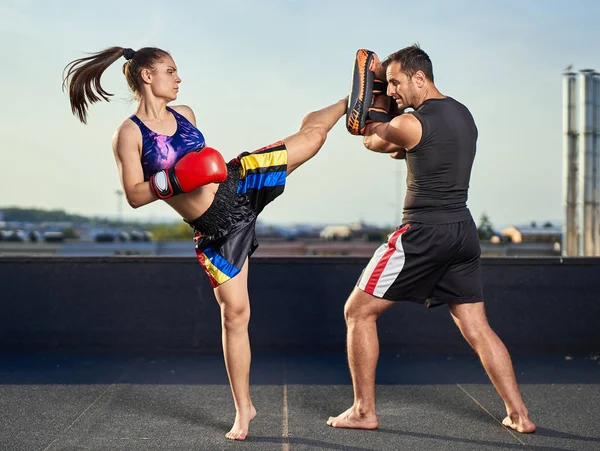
[(82, 78)]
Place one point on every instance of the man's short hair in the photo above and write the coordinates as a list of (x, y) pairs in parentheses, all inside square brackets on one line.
[(412, 59)]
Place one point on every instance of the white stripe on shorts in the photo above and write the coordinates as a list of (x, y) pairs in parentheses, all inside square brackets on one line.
[(384, 267)]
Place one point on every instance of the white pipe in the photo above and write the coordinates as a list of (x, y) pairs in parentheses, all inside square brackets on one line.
[(596, 171), (570, 163), (586, 163)]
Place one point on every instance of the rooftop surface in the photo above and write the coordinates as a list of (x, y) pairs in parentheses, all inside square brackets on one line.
[(66, 401)]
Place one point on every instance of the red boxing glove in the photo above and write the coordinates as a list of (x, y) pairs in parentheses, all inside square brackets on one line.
[(194, 169)]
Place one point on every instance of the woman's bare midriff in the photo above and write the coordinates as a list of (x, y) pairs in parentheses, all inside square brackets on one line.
[(193, 204)]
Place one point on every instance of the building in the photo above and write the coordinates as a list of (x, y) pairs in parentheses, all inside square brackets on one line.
[(529, 234)]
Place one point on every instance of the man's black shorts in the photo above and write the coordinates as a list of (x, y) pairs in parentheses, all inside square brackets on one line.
[(427, 263)]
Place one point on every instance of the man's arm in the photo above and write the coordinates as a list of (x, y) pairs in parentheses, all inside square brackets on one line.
[(395, 137)]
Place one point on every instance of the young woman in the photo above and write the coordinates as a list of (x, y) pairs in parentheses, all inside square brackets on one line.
[(161, 154)]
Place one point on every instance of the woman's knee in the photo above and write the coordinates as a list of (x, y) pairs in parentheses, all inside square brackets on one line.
[(236, 315)]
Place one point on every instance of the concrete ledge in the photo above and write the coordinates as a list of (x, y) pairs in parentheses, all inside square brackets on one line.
[(536, 305)]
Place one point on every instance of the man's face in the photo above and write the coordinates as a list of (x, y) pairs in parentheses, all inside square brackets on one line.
[(400, 86)]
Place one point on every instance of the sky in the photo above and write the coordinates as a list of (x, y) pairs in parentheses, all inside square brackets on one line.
[(251, 70)]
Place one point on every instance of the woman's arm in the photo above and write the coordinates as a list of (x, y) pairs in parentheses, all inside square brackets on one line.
[(126, 149)]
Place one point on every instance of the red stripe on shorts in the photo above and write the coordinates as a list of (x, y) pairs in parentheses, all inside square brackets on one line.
[(270, 146), (378, 271), (202, 258)]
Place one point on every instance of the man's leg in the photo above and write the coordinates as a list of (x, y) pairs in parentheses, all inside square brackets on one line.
[(473, 324), (361, 313), (305, 144)]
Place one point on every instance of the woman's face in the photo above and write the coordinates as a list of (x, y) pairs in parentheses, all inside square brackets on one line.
[(163, 79)]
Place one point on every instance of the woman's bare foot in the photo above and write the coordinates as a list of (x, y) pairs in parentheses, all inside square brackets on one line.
[(519, 423), (239, 430), (351, 419)]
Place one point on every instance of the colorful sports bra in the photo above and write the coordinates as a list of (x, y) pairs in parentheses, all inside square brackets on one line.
[(162, 151)]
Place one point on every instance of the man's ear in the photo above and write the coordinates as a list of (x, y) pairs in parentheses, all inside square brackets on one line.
[(419, 78)]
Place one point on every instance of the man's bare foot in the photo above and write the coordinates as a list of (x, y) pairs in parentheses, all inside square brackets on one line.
[(353, 420), (520, 424), (239, 430)]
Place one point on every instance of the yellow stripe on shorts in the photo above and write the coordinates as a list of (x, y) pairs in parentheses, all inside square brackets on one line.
[(218, 275), (263, 160)]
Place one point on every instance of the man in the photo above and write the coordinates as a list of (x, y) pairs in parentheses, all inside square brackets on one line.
[(433, 258)]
